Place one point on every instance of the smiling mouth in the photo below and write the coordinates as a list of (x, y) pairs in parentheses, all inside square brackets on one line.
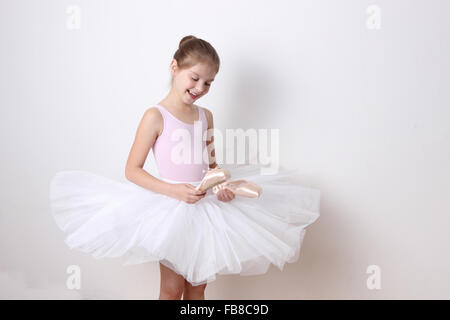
[(193, 96)]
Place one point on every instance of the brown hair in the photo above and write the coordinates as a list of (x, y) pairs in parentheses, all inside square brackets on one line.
[(193, 50)]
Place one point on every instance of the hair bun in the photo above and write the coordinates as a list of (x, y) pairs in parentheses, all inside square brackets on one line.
[(185, 39), (192, 50)]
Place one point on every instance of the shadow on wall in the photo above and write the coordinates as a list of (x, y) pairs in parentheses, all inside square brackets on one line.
[(252, 98)]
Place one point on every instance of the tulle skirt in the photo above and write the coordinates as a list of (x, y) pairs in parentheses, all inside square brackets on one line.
[(107, 218)]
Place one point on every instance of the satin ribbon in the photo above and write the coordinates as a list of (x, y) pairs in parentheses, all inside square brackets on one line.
[(238, 187), (213, 177)]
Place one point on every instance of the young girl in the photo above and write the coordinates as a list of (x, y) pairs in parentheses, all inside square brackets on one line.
[(195, 229)]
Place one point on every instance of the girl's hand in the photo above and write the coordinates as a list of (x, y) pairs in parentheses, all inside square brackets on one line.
[(186, 192), (225, 195)]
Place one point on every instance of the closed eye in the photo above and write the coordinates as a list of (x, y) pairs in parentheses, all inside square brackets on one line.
[(208, 84)]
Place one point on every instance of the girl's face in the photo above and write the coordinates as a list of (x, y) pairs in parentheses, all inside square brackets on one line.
[(192, 83)]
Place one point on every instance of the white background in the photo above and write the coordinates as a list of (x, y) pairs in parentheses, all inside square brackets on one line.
[(364, 113)]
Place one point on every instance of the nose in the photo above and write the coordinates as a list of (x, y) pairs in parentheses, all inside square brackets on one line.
[(200, 88)]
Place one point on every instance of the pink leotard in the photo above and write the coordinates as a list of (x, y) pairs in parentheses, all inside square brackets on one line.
[(181, 148)]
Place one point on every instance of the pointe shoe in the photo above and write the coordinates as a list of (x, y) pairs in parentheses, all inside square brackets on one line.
[(212, 178), (240, 187)]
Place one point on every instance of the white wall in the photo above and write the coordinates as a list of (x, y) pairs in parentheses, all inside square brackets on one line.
[(364, 113)]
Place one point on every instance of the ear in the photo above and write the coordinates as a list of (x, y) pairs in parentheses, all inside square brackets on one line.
[(173, 66)]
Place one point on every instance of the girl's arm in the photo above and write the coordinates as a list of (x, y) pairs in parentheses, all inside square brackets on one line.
[(146, 135), (210, 137), (223, 195)]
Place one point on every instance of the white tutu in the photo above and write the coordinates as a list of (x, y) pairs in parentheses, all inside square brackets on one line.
[(107, 218)]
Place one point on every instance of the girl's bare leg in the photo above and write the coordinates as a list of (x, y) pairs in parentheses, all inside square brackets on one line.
[(172, 284), (194, 292)]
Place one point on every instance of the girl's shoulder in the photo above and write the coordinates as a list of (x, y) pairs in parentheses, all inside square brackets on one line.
[(208, 115), (205, 110), (153, 113), (153, 118)]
